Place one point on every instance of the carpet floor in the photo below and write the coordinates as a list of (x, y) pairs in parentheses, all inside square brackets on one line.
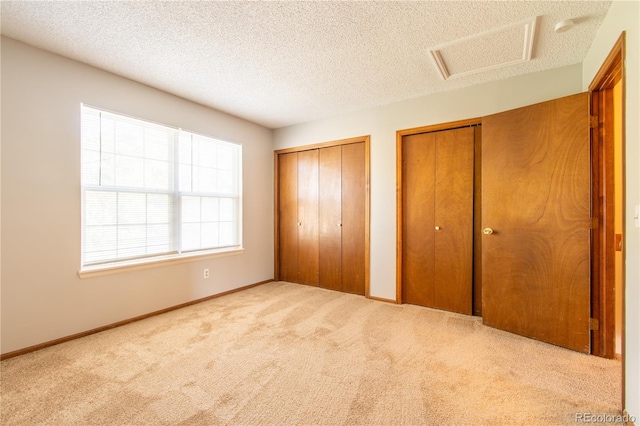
[(281, 354)]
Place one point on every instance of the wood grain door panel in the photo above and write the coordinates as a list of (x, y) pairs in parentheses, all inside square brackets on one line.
[(418, 186), (330, 217), (536, 197), (477, 223), (288, 216), (453, 204), (308, 248), (354, 187)]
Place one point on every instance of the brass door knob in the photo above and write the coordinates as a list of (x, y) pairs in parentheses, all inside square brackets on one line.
[(487, 231), (437, 228)]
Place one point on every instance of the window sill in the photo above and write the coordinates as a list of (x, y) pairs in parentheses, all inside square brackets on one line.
[(138, 264)]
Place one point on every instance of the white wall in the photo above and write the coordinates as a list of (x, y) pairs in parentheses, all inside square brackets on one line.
[(625, 16), (42, 296), (383, 122)]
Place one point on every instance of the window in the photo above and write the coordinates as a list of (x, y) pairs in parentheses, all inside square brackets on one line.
[(150, 190)]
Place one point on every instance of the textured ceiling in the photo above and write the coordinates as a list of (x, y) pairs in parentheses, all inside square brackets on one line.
[(281, 63)]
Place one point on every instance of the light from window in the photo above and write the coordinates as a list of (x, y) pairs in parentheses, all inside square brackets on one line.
[(150, 190)]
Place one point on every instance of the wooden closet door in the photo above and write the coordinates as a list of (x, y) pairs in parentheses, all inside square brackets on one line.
[(330, 217), (418, 186), (437, 252), (354, 190), (288, 216), (308, 247), (453, 204)]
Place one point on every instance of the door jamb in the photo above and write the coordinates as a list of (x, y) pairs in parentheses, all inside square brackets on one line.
[(603, 235)]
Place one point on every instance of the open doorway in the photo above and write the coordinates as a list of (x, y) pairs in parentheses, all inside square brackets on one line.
[(608, 144)]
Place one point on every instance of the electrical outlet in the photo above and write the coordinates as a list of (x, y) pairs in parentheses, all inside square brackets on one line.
[(205, 274)]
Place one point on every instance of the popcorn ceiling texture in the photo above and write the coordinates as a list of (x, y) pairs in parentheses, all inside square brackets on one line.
[(282, 63)]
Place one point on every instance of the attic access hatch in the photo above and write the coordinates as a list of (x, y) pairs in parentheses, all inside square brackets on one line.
[(485, 51)]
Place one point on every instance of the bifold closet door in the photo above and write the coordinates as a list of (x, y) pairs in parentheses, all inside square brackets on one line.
[(298, 217), (322, 199), (330, 217), (342, 200), (354, 189), (418, 268), (437, 253), (454, 219), (288, 216), (308, 247)]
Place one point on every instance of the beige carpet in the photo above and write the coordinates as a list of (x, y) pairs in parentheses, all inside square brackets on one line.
[(283, 353)]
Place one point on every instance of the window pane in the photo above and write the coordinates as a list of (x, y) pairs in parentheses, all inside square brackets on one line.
[(227, 237), (97, 237), (190, 209), (129, 171), (131, 240), (227, 209), (100, 256), (225, 157), (158, 208), (129, 139), (157, 174), (90, 167), (100, 208), (209, 235), (184, 151), (225, 182), (207, 153), (159, 238), (107, 134), (108, 169), (156, 144), (100, 243), (91, 130), (206, 180), (143, 195), (210, 209), (132, 208), (185, 178), (190, 236)]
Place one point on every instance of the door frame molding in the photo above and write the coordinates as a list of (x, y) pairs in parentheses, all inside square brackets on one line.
[(367, 204), (399, 189), (611, 72)]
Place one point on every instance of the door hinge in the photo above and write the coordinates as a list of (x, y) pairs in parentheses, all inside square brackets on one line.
[(594, 324), (618, 242), (593, 121), (595, 223)]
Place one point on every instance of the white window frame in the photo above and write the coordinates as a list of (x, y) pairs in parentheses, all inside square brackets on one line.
[(177, 254)]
